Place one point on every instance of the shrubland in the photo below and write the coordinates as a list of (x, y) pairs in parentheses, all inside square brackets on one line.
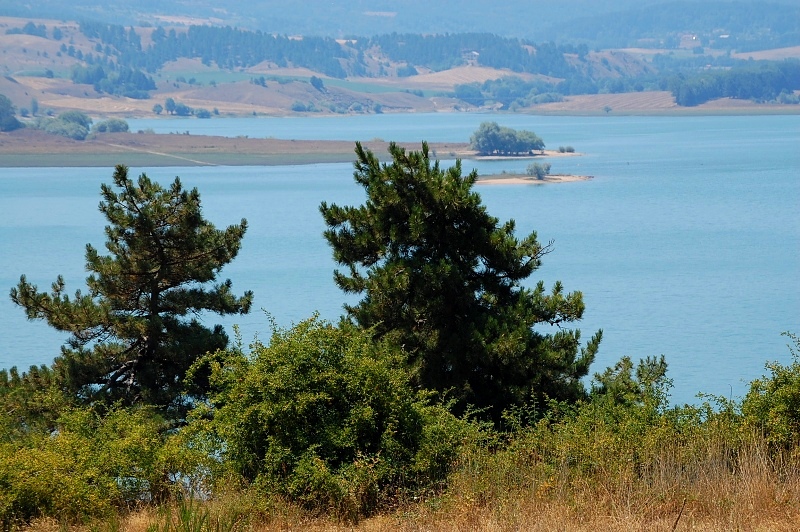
[(342, 425)]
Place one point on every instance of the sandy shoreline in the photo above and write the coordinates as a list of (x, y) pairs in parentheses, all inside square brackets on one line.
[(522, 179)]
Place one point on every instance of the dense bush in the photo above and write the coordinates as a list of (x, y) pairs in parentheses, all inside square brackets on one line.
[(112, 125), (538, 170), (492, 139), (8, 120), (324, 416), (772, 405), (71, 124), (91, 466), (70, 130)]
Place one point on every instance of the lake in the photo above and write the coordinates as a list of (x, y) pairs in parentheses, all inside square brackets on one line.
[(686, 242)]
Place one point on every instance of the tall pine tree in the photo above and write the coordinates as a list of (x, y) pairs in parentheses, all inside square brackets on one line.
[(442, 278), (135, 332)]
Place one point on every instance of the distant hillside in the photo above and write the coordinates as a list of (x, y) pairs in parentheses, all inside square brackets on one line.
[(107, 68), (540, 21), (336, 18), (741, 26)]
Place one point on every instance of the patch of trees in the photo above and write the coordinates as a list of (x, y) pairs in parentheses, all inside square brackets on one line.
[(761, 82), (317, 83), (112, 125), (29, 29), (8, 115), (493, 139), (120, 81), (120, 41), (440, 52), (173, 107), (509, 92), (71, 124), (226, 47)]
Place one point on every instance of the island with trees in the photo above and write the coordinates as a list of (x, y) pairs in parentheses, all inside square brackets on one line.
[(492, 139)]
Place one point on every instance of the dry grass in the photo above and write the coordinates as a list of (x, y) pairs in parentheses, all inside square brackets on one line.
[(29, 147), (776, 54), (716, 491), (637, 101)]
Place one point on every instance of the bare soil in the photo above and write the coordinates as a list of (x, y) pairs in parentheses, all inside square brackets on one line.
[(654, 102)]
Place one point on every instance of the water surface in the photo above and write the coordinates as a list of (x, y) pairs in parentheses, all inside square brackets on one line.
[(686, 242)]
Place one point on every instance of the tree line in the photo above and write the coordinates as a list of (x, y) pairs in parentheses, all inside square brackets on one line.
[(763, 82), (234, 48)]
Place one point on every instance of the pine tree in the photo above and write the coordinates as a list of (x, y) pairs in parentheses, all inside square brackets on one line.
[(135, 333), (442, 278)]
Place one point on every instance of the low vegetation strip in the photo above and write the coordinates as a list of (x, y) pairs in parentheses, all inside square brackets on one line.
[(33, 148)]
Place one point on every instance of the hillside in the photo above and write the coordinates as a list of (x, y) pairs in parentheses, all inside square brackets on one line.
[(544, 20), (104, 69)]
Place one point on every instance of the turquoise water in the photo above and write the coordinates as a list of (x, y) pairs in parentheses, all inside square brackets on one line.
[(686, 242)]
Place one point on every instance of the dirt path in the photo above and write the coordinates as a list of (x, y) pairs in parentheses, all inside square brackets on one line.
[(151, 152)]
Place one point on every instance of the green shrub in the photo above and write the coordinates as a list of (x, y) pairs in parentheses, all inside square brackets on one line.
[(72, 130), (112, 125), (538, 170), (30, 402), (772, 406), (76, 117), (92, 466), (324, 416)]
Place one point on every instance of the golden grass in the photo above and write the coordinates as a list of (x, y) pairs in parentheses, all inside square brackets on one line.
[(718, 490)]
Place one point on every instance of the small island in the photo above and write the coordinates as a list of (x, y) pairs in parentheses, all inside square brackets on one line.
[(524, 179), (492, 141)]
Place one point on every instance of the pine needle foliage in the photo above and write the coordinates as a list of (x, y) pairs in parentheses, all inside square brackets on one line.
[(135, 332), (442, 278)]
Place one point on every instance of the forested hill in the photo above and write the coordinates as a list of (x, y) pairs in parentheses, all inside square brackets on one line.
[(233, 48), (742, 26), (125, 61), (621, 22)]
